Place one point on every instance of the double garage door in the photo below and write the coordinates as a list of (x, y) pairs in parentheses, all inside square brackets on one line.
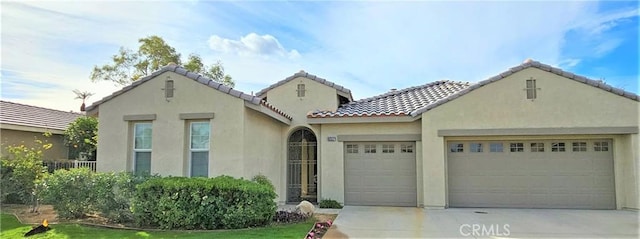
[(380, 173), (531, 174)]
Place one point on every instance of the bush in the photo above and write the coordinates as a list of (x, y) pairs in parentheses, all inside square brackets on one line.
[(22, 171), (203, 203), (114, 193), (261, 179), (329, 203), (290, 217), (79, 191), (70, 192)]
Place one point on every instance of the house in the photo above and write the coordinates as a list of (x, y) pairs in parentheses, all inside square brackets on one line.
[(534, 136), (22, 124)]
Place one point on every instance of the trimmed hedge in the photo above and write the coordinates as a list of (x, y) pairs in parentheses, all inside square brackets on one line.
[(223, 202)]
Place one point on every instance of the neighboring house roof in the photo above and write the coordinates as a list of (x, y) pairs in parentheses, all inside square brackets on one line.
[(527, 64), (33, 116), (198, 78), (341, 89), (396, 103)]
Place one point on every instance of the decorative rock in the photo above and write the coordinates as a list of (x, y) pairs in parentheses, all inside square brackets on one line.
[(306, 207)]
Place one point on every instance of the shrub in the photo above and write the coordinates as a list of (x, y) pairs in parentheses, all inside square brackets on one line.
[(203, 203), (290, 217), (70, 192), (261, 179), (114, 193), (22, 171), (329, 203)]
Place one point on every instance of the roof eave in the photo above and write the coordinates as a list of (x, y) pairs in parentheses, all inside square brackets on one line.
[(362, 119), (269, 112)]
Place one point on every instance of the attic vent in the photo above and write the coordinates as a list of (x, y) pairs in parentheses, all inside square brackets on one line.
[(301, 90), (168, 89), (531, 89)]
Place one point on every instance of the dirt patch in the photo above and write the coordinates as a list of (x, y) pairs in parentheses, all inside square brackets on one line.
[(25, 216)]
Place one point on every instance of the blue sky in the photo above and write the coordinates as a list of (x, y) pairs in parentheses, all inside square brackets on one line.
[(49, 48)]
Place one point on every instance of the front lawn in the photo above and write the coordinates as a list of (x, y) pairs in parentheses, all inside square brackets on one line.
[(10, 227)]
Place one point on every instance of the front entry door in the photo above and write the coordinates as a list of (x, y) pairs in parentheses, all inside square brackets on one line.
[(301, 166)]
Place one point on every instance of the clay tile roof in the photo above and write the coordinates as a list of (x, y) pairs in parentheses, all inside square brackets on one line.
[(198, 78), (301, 73), (33, 116), (396, 103)]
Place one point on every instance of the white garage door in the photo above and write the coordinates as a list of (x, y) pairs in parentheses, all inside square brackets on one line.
[(380, 173), (531, 174)]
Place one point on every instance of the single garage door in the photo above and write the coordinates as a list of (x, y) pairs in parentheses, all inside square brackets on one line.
[(531, 174), (380, 173)]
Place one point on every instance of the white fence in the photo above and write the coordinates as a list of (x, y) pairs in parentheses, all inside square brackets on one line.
[(53, 165)]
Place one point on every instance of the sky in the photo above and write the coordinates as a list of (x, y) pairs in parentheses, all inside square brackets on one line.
[(50, 47)]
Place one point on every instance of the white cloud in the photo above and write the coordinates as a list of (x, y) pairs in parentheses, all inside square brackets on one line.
[(252, 44)]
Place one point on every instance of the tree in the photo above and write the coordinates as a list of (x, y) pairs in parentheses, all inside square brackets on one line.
[(82, 136), (153, 54), (214, 72), (83, 95)]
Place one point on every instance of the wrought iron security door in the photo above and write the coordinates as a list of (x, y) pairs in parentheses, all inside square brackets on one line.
[(302, 167)]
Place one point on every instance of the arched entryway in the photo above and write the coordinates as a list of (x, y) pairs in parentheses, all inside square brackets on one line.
[(302, 166)]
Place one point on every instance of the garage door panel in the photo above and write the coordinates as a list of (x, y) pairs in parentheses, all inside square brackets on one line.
[(532, 179), (380, 178)]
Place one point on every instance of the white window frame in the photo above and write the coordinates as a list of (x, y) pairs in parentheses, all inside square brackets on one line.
[(476, 148), (601, 146), (496, 147), (370, 149), (406, 148), (388, 148), (537, 147), (192, 150), (135, 150), (516, 147), (558, 147), (579, 146), (352, 148)]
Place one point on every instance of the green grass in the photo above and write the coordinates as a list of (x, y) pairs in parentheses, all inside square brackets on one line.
[(10, 227)]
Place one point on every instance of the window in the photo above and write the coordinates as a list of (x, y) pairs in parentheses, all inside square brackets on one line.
[(531, 89), (388, 148), (537, 147), (352, 148), (601, 146), (516, 147), (475, 147), (369, 148), (496, 147), (301, 91), (142, 148), (168, 89), (557, 147), (456, 147), (579, 146), (406, 148), (199, 149)]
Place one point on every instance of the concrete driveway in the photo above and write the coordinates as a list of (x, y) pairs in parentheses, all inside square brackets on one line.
[(402, 222)]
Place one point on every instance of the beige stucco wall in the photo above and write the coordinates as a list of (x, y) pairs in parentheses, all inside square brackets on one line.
[(332, 162), (169, 147), (15, 137), (561, 102), (285, 97), (317, 97), (263, 149)]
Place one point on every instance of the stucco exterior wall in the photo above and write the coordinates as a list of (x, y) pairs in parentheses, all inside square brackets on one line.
[(169, 137), (332, 161), (317, 97), (15, 137), (560, 102), (263, 149)]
